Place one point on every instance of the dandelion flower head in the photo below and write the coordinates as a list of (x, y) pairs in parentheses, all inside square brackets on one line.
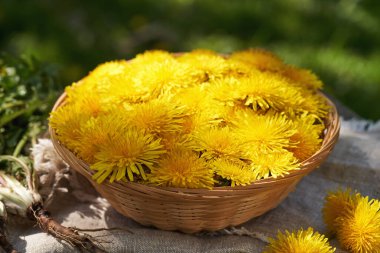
[(355, 219), (235, 170), (182, 168), (302, 241), (359, 228), (337, 204)]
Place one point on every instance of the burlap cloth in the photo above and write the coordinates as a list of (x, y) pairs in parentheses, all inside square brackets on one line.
[(354, 163)]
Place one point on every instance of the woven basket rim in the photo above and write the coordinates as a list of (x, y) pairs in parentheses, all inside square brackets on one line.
[(331, 133)]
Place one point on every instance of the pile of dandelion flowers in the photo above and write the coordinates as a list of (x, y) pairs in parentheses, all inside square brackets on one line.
[(126, 153), (302, 241), (220, 107), (182, 168)]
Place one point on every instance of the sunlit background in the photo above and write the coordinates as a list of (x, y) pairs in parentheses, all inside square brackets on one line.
[(339, 40)]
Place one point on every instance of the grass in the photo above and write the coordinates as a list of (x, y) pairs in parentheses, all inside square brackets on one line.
[(336, 39)]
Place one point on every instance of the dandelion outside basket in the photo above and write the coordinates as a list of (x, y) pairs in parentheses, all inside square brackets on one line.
[(194, 210)]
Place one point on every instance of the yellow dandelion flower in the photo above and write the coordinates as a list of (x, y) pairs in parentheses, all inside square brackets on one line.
[(164, 76), (152, 56), (302, 77), (260, 59), (98, 80), (276, 164), (157, 116), (228, 114), (195, 122), (196, 99), (217, 142), (234, 170), (100, 75), (125, 153), (307, 139), (76, 90), (264, 91), (94, 133), (314, 104), (337, 204), (172, 141), (239, 69), (182, 168), (67, 121), (92, 136), (261, 91), (264, 133), (123, 90), (226, 91), (203, 110), (359, 228), (93, 105), (209, 66), (111, 68), (301, 241)]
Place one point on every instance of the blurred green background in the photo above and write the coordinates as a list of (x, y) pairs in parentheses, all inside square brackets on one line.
[(339, 40)]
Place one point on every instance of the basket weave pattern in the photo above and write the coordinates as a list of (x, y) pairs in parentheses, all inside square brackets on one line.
[(194, 210)]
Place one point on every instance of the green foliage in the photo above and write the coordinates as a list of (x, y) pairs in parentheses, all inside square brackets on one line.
[(337, 39), (27, 90)]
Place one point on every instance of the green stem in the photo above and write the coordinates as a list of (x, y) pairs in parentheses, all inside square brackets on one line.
[(30, 108), (13, 104), (23, 165), (34, 140), (20, 144)]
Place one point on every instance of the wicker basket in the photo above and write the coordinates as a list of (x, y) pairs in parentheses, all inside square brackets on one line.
[(194, 210)]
